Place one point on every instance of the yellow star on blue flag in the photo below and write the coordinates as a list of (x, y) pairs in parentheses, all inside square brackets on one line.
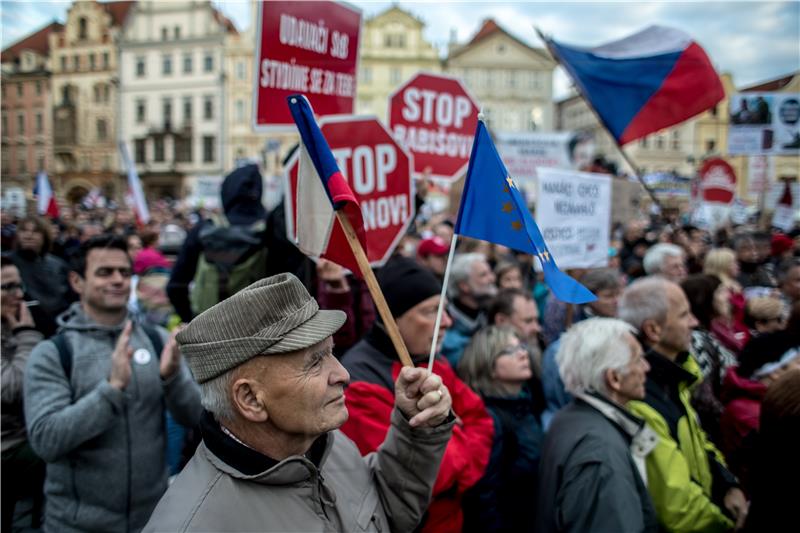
[(488, 189)]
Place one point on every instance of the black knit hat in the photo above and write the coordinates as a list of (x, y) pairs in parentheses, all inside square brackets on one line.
[(405, 283)]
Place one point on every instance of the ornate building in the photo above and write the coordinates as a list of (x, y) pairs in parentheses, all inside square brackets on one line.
[(85, 98), (392, 50), (26, 120), (512, 81), (173, 98)]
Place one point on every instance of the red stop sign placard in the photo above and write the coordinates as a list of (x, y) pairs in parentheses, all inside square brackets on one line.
[(379, 172), (717, 181), (434, 117)]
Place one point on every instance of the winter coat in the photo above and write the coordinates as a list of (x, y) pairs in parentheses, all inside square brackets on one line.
[(589, 480), (46, 278), (16, 347), (686, 474), (742, 398), (713, 359), (460, 333), (104, 447), (230, 487), (501, 500), (373, 366)]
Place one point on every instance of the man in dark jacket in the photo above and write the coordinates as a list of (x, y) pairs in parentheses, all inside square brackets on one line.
[(241, 200), (272, 458), (592, 475)]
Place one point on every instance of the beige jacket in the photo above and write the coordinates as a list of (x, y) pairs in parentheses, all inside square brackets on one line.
[(388, 490)]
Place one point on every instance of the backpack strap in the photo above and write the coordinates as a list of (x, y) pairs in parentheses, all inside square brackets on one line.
[(155, 339), (64, 353)]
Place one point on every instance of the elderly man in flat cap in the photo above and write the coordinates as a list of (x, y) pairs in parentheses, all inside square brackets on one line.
[(272, 458)]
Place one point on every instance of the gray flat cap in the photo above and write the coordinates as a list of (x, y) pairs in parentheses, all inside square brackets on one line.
[(272, 316)]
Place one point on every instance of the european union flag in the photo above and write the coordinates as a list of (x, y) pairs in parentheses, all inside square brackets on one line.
[(492, 209)]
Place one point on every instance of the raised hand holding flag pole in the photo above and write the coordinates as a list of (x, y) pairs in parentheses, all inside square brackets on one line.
[(324, 193)]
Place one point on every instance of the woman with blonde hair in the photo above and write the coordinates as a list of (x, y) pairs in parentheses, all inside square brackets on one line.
[(497, 366), (721, 262)]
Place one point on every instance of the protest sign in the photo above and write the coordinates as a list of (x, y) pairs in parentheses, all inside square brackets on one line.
[(760, 171), (573, 210), (764, 123)]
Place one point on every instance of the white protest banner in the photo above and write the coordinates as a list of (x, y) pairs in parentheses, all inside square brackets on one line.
[(205, 192), (764, 123), (760, 170), (574, 213)]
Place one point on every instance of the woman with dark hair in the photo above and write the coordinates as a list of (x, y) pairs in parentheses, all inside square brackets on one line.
[(497, 366), (708, 299), (45, 276)]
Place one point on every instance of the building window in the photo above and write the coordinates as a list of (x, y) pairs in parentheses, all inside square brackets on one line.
[(21, 124), (166, 64), (166, 111), (5, 125), (97, 94), (20, 90), (164, 33), (660, 142), (208, 107), (187, 109), (40, 162), (239, 111), (187, 63), (140, 67), (39, 123), (676, 140), (76, 62), (394, 75), (106, 93), (711, 144), (208, 149), (241, 70), (183, 149), (38, 88), (208, 62), (501, 48), (22, 165), (82, 28), (102, 129), (366, 75), (177, 32), (105, 60), (141, 155), (158, 149), (92, 62), (63, 63), (643, 142), (394, 40), (141, 111), (713, 111)]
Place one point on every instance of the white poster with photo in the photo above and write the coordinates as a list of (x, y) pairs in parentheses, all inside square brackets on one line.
[(523, 153), (764, 123), (574, 213)]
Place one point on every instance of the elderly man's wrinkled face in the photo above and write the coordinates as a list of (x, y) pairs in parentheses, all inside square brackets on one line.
[(481, 281), (303, 391), (674, 268)]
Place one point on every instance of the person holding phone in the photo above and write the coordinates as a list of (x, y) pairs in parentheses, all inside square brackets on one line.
[(23, 471)]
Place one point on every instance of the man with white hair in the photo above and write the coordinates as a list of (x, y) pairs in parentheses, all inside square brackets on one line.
[(470, 289), (592, 467), (691, 488), (272, 458), (666, 260)]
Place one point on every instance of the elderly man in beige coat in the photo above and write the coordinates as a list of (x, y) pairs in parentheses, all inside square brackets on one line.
[(272, 458)]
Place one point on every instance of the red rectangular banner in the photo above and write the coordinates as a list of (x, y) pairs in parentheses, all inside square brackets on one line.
[(309, 48)]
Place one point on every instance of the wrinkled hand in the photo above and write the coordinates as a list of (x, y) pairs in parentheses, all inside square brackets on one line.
[(736, 503), (333, 275), (421, 397), (171, 355), (121, 359), (25, 318)]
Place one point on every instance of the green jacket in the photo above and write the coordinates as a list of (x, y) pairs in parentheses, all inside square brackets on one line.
[(686, 475)]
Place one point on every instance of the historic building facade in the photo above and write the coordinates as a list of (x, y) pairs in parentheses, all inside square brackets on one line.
[(173, 98), (392, 49), (512, 81)]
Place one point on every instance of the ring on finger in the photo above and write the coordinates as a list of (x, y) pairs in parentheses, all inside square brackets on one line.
[(439, 392)]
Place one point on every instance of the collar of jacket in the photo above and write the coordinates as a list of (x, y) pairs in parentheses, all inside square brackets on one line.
[(380, 340), (643, 438), (239, 460), (464, 322), (668, 373)]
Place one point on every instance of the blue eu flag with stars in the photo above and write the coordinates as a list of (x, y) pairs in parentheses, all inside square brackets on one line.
[(493, 209)]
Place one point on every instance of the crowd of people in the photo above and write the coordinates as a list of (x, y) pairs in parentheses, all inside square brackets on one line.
[(670, 403)]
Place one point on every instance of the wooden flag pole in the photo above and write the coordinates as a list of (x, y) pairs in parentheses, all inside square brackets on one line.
[(375, 290)]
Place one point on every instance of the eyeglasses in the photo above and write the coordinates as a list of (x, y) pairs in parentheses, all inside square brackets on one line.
[(12, 286), (511, 350)]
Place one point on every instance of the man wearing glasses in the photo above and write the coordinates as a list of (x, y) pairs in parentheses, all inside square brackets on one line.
[(94, 406)]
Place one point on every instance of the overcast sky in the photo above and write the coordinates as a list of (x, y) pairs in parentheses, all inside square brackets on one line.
[(755, 41)]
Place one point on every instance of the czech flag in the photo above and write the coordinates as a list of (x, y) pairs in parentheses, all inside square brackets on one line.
[(45, 200), (645, 82), (321, 190)]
